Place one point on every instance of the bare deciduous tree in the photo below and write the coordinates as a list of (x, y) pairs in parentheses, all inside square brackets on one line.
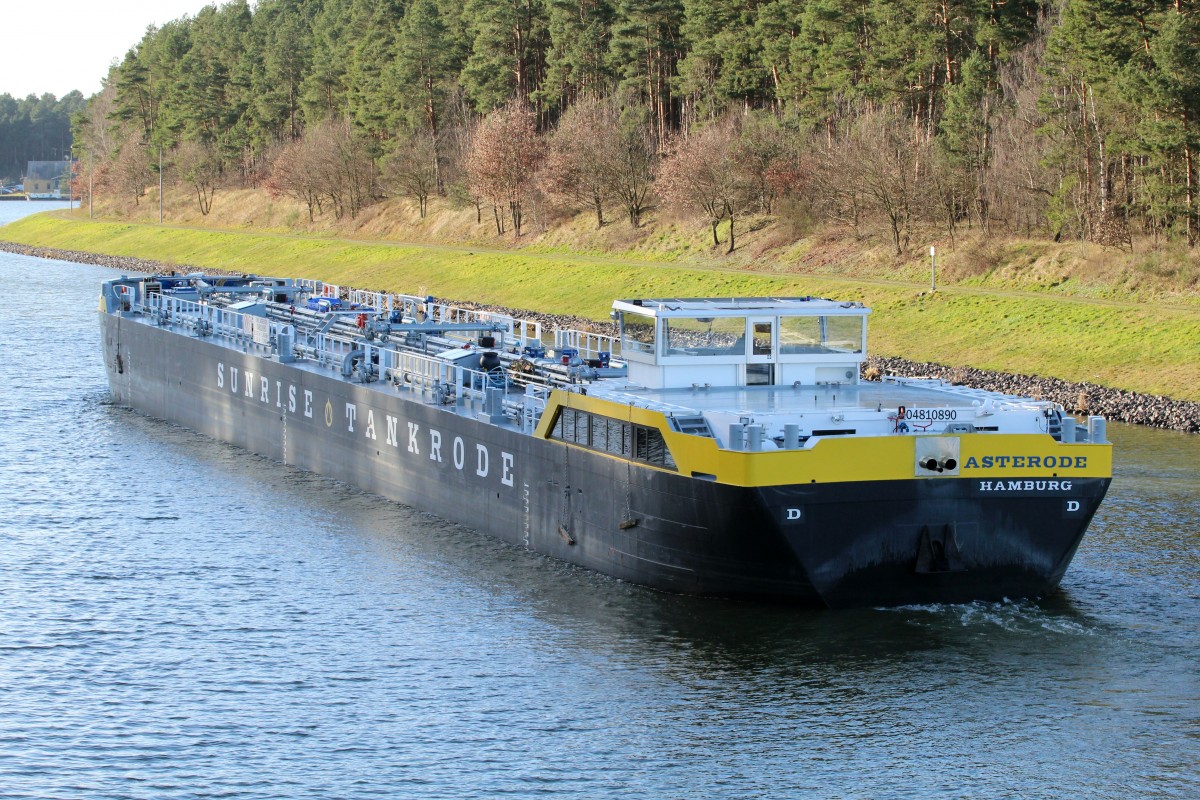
[(330, 162), (579, 154), (130, 172), (703, 171), (348, 169), (877, 166), (761, 150), (294, 174), (631, 164), (412, 170), (506, 151), (199, 165)]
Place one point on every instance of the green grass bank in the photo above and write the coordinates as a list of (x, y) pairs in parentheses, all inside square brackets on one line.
[(1140, 346)]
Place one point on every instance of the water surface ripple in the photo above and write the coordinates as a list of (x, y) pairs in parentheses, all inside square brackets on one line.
[(182, 619)]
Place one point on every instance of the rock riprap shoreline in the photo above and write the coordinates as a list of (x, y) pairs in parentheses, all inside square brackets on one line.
[(1078, 398), (122, 263)]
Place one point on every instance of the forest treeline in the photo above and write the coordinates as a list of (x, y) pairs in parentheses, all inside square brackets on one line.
[(1071, 118), (35, 128)]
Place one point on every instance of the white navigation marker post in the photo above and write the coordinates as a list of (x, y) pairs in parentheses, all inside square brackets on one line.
[(932, 268)]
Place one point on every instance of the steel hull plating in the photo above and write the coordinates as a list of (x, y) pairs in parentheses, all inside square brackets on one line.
[(831, 544)]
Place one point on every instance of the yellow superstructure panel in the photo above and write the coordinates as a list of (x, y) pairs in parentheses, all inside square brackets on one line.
[(849, 458)]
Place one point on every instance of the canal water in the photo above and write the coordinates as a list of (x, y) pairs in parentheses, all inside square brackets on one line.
[(182, 619)]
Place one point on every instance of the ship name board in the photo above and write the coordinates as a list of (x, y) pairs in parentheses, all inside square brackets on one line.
[(427, 442), (1026, 462)]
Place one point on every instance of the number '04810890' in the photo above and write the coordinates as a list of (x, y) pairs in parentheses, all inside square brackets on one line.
[(933, 414)]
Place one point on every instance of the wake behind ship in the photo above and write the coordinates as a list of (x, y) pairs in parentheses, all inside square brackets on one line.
[(713, 446)]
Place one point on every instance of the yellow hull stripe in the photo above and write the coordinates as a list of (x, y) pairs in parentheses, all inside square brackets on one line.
[(851, 458)]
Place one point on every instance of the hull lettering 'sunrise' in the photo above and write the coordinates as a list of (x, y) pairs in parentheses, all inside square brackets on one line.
[(723, 447)]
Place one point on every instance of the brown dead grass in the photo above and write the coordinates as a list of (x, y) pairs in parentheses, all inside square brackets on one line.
[(788, 243)]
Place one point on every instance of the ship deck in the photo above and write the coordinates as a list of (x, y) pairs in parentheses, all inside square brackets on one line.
[(433, 355), (870, 397), (801, 398)]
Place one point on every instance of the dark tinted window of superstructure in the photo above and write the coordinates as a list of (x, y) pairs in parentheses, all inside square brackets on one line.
[(600, 427), (582, 426), (625, 439), (620, 440), (651, 448)]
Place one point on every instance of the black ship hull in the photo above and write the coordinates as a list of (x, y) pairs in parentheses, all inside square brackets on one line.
[(842, 544)]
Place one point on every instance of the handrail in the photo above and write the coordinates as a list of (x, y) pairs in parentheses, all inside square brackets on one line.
[(342, 350), (587, 343)]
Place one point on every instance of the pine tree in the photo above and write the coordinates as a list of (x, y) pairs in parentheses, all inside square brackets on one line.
[(507, 55), (282, 33), (372, 100), (966, 133), (136, 100), (424, 65), (723, 62), (777, 24), (325, 86), (827, 62), (579, 33), (1085, 59), (646, 45), (1163, 78)]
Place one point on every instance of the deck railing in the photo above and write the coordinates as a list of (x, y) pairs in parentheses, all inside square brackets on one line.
[(435, 379), (588, 344)]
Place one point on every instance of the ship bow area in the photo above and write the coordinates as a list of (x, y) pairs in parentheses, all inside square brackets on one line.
[(845, 521), (990, 529)]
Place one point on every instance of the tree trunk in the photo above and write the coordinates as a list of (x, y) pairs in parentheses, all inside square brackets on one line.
[(1189, 186), (431, 119), (947, 43), (1103, 176), (730, 250)]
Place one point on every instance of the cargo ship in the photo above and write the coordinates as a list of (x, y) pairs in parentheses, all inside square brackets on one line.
[(713, 446)]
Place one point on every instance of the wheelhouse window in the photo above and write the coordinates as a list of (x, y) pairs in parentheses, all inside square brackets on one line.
[(705, 336), (844, 334), (800, 335), (637, 333), (616, 437)]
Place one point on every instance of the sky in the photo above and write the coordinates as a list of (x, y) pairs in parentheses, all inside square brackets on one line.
[(92, 33)]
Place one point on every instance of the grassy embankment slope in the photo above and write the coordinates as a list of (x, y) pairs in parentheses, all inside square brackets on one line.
[(1129, 328)]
